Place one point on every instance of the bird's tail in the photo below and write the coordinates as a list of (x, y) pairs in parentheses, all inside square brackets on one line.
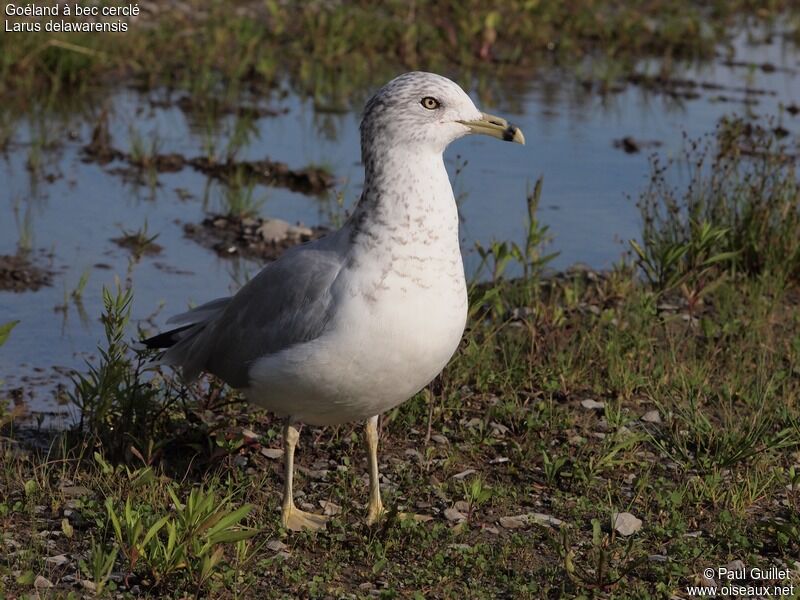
[(180, 341)]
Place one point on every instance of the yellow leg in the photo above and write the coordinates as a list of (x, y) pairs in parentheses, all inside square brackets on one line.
[(292, 517), (375, 510), (375, 505)]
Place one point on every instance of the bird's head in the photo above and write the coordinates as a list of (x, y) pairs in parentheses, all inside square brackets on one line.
[(427, 111)]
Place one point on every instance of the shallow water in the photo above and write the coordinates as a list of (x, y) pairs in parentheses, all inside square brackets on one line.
[(588, 199)]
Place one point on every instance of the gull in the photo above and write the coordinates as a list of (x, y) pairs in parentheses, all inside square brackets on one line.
[(350, 325)]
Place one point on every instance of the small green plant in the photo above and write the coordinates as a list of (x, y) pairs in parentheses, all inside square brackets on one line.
[(76, 297), (5, 331), (243, 132), (737, 215), (5, 416), (143, 153), (118, 406), (190, 543), (553, 467), (238, 196), (476, 493), (603, 565), (99, 565), (530, 257), (139, 242), (144, 156), (694, 441)]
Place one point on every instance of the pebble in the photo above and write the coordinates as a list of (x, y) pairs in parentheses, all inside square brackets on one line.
[(250, 435), (651, 416), (75, 491), (464, 474), (498, 428), (452, 514), (591, 404), (300, 231), (273, 453), (528, 519), (625, 523), (274, 230), (736, 565), (277, 546)]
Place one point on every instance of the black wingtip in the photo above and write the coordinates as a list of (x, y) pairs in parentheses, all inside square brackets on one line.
[(166, 339)]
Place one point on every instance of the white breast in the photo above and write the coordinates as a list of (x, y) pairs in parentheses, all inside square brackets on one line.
[(400, 310)]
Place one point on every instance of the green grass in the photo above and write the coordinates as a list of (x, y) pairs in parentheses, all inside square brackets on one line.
[(719, 464), (329, 50)]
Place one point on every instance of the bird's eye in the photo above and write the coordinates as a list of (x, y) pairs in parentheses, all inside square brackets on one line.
[(430, 103)]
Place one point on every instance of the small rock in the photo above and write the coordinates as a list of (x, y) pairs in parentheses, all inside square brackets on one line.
[(651, 416), (498, 428), (300, 231), (736, 565), (474, 422), (462, 506), (57, 560), (591, 404), (439, 438), (329, 508), (707, 582), (526, 520), (41, 583), (451, 514), (499, 460), (492, 530), (273, 453), (693, 534), (277, 546), (464, 474), (625, 523), (415, 453), (249, 435), (75, 491), (273, 230), (660, 558)]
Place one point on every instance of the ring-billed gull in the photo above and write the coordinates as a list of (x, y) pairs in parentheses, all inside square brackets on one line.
[(355, 323)]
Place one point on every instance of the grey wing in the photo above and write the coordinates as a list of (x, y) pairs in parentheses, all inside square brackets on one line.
[(200, 314), (287, 303)]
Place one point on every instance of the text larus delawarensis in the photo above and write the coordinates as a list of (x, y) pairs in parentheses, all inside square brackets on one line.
[(350, 325)]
